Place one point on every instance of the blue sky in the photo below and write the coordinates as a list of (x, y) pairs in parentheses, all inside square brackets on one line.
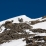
[(31, 8)]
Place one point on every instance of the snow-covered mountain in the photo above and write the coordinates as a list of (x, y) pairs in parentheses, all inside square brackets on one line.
[(41, 25), (15, 19), (19, 42), (25, 18)]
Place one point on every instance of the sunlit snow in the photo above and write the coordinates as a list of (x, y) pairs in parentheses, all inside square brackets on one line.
[(18, 42), (41, 25)]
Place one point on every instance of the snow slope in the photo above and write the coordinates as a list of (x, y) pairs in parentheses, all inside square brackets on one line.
[(18, 42), (41, 25)]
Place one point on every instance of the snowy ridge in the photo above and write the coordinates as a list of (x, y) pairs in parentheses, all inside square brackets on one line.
[(25, 18), (41, 25), (15, 19)]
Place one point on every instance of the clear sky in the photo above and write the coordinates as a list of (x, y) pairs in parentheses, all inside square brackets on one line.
[(31, 8)]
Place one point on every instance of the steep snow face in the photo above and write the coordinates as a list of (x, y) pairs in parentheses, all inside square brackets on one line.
[(18, 42), (41, 25)]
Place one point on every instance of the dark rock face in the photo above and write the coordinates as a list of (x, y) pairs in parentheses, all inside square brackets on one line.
[(20, 19), (37, 21), (38, 30), (44, 38), (32, 42), (44, 17), (13, 33), (29, 41), (34, 22)]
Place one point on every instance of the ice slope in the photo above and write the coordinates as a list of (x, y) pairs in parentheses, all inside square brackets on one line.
[(18, 42)]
